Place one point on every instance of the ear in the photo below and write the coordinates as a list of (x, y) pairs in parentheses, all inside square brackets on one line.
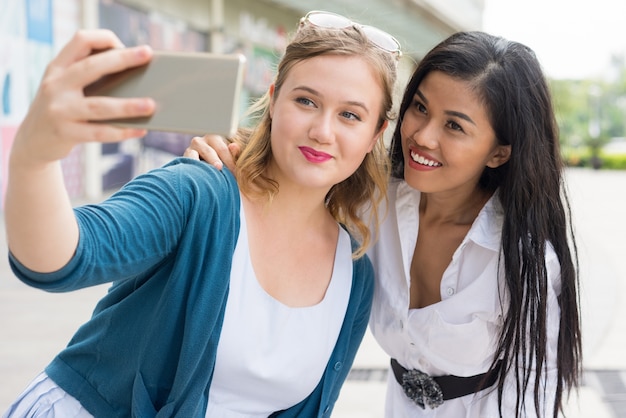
[(499, 156), (378, 135), (271, 93)]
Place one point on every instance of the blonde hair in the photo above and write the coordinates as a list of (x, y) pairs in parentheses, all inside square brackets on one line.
[(365, 188)]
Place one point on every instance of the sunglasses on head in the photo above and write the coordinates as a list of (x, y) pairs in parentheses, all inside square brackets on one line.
[(329, 20)]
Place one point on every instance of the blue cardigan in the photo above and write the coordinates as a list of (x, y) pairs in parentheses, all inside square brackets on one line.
[(166, 241)]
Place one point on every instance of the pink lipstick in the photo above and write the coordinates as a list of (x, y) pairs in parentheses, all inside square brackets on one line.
[(314, 156)]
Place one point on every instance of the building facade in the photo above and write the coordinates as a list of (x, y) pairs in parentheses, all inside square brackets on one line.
[(32, 32)]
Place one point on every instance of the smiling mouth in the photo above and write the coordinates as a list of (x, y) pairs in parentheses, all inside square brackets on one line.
[(424, 161)]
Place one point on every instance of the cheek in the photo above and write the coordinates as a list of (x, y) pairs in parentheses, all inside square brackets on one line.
[(277, 125), (356, 152), (409, 126), (404, 135)]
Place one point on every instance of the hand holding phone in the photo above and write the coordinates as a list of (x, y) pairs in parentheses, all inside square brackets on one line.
[(195, 93)]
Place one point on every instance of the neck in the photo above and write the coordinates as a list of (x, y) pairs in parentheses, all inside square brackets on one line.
[(455, 208), (292, 206)]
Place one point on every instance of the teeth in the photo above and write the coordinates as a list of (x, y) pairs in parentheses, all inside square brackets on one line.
[(424, 161)]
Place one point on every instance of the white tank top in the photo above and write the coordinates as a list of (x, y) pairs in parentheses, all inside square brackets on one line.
[(271, 356)]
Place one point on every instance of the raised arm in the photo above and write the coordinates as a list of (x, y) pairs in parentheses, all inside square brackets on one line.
[(42, 232)]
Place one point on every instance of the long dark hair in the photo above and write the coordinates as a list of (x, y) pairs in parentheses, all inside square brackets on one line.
[(508, 78)]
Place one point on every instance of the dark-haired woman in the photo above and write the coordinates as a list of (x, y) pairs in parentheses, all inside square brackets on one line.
[(476, 292)]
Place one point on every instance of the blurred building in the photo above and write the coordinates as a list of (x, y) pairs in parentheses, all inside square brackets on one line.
[(32, 32)]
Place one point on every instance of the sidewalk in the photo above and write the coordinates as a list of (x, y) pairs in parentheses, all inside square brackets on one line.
[(35, 325)]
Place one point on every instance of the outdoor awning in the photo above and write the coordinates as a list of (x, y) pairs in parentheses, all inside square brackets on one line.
[(417, 25)]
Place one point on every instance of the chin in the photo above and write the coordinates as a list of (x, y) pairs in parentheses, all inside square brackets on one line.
[(413, 179)]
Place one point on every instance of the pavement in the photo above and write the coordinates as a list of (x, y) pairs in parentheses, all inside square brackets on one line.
[(35, 325)]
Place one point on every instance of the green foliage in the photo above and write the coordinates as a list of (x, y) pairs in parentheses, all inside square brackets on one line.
[(613, 161), (572, 110), (582, 157), (589, 113)]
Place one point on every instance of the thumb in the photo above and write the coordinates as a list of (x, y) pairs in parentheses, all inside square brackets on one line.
[(235, 149)]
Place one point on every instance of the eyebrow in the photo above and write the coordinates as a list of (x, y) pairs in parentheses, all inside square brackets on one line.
[(447, 112), (316, 93)]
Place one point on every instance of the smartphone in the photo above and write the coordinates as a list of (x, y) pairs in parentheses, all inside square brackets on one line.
[(195, 92)]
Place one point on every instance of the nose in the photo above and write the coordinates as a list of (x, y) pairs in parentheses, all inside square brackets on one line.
[(322, 128), (425, 135)]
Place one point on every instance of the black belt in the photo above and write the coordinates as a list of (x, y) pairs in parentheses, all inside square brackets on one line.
[(432, 391)]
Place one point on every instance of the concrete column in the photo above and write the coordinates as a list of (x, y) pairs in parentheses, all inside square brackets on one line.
[(92, 151), (216, 31)]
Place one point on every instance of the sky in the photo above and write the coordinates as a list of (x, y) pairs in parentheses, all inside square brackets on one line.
[(572, 38)]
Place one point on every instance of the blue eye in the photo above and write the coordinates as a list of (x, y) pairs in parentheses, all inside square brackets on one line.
[(351, 116), (305, 101)]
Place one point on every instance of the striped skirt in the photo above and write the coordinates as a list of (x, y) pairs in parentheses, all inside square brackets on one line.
[(45, 399)]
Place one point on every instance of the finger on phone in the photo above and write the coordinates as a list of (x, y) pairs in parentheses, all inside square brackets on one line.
[(103, 133), (84, 43), (96, 66), (111, 108)]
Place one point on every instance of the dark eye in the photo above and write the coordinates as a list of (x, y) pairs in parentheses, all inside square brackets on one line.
[(419, 106), (454, 126)]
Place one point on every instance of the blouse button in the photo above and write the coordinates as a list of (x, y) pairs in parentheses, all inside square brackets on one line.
[(337, 366), (450, 291)]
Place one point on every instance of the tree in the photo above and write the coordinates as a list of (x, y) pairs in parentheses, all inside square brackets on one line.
[(591, 112)]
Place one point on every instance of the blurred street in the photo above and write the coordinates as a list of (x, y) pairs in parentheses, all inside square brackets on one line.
[(35, 325)]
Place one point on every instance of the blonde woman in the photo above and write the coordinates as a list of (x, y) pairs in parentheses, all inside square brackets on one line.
[(240, 296)]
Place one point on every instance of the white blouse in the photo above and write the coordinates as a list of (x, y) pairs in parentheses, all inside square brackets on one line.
[(458, 335), (271, 356)]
